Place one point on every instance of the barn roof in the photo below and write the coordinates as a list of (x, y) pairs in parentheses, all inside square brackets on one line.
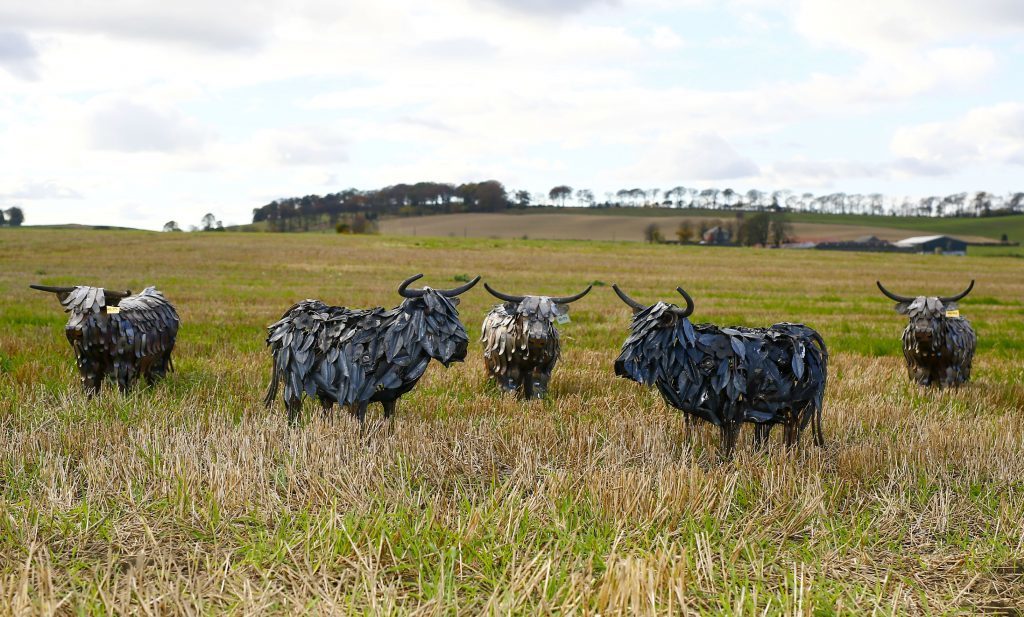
[(915, 240)]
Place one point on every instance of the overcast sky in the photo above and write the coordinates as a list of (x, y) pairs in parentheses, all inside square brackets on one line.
[(128, 112)]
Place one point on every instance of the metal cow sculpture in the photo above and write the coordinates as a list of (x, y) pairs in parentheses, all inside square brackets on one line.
[(938, 344), (118, 334), (355, 357), (728, 376), (521, 343)]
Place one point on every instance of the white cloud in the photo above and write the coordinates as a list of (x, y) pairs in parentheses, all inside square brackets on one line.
[(45, 189), (306, 146), (18, 56), (665, 38), (126, 125), (884, 27), (992, 135), (548, 7)]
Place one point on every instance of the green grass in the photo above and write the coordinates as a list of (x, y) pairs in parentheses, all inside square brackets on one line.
[(191, 497)]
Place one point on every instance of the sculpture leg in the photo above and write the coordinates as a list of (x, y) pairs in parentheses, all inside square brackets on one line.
[(512, 381), (762, 432), (730, 431), (389, 409), (539, 379), (689, 427), (92, 383), (326, 405), (819, 434), (360, 412), (294, 406), (792, 431)]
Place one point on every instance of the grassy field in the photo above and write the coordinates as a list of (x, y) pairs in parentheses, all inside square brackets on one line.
[(577, 226), (544, 223), (190, 497)]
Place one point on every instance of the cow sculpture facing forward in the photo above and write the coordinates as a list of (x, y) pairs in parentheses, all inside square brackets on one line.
[(117, 334), (521, 343), (355, 357), (728, 376), (938, 344)]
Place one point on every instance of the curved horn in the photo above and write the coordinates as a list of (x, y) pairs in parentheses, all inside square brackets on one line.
[(411, 293), (568, 299), (53, 290), (893, 296), (959, 295), (505, 297), (689, 303), (451, 293), (116, 295), (629, 301)]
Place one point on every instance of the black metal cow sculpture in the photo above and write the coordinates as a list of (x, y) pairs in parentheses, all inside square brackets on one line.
[(117, 334), (938, 344), (521, 344), (355, 357), (728, 376)]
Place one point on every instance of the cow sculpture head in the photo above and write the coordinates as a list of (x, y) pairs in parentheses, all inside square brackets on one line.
[(539, 313), (83, 302), (641, 359), (437, 326), (926, 314)]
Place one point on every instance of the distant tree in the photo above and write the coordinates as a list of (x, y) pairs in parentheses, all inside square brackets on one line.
[(653, 195), (729, 198), (638, 196), (652, 234), (171, 226), (218, 226), (3, 221), (561, 193), (522, 198), (1004, 238), (755, 229), (585, 197), (781, 230), (685, 231), (209, 220), (15, 217), (491, 196), (360, 224), (982, 203), (1016, 202), (675, 195)]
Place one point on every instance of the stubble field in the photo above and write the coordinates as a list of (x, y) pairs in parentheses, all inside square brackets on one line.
[(190, 497)]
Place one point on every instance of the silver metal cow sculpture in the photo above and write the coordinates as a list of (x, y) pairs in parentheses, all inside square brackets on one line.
[(355, 357), (728, 376), (117, 334), (521, 343), (938, 344)]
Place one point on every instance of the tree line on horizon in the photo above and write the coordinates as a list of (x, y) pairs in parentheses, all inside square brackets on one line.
[(351, 207)]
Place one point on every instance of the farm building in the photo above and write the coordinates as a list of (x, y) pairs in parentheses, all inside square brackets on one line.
[(863, 243), (935, 244), (716, 235)]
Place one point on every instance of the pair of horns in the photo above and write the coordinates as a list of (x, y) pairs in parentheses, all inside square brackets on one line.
[(416, 293), (686, 312), (944, 299), (107, 293), (556, 300)]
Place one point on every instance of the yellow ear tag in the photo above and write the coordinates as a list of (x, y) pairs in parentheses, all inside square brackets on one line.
[(955, 313), (113, 310)]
